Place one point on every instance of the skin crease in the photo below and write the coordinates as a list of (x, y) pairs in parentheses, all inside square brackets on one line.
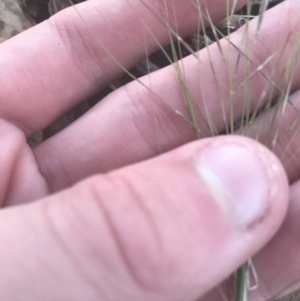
[(61, 51)]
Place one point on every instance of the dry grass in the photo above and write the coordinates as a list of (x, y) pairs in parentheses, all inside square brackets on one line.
[(252, 90)]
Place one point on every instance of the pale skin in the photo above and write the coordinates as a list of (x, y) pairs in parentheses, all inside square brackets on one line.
[(140, 231)]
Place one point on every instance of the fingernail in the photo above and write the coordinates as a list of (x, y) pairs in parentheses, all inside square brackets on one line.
[(240, 177)]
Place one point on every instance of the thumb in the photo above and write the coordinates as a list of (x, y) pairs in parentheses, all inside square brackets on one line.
[(170, 228)]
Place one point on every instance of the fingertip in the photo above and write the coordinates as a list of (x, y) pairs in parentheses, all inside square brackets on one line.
[(245, 178)]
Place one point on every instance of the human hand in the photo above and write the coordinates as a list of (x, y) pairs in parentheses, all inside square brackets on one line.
[(151, 218)]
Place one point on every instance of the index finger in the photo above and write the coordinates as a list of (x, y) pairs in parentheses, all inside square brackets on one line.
[(50, 68)]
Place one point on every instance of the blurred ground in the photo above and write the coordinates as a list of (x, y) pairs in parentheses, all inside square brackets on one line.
[(295, 296), (12, 19)]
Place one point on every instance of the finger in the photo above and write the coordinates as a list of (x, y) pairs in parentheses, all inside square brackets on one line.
[(279, 129), (277, 265), (139, 125), (20, 178), (60, 62), (151, 231)]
